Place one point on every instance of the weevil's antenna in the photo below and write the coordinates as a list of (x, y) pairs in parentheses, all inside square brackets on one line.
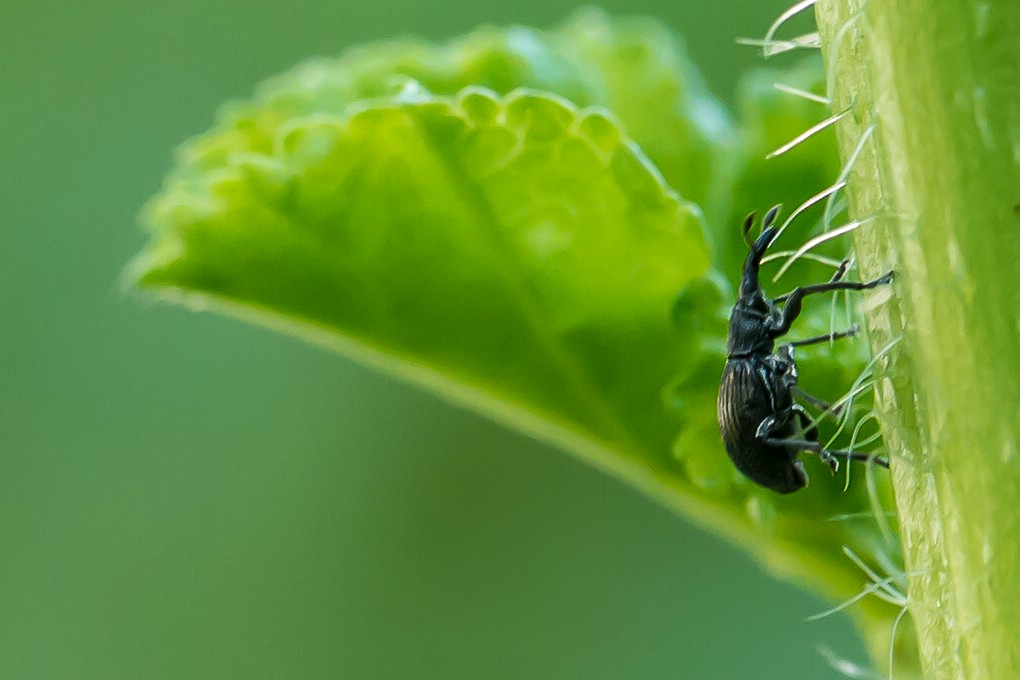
[(746, 229), (770, 216)]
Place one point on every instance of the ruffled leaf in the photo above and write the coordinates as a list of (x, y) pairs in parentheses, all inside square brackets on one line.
[(488, 219)]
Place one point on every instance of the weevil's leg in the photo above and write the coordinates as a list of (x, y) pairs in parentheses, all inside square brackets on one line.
[(827, 455), (809, 431), (795, 298), (776, 426), (830, 337), (809, 428), (836, 284), (862, 457), (773, 423), (767, 426), (807, 445), (840, 271), (819, 404)]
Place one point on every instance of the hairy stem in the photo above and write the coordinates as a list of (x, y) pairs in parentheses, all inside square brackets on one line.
[(939, 82)]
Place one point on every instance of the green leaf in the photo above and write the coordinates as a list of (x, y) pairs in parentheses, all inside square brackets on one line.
[(639, 69), (636, 68), (517, 250)]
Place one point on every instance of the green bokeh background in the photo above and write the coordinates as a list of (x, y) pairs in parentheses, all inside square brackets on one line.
[(185, 496)]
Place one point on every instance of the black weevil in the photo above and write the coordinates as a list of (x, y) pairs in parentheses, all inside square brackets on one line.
[(762, 427)]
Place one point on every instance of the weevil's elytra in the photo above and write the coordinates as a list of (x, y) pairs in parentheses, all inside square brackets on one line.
[(762, 426)]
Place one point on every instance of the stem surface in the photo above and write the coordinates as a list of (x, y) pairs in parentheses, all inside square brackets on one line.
[(940, 84)]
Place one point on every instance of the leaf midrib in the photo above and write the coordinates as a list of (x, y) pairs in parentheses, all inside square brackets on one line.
[(584, 390)]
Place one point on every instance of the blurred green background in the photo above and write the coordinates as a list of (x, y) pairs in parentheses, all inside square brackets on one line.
[(185, 496)]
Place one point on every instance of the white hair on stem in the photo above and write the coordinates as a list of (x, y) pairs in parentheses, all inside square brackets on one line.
[(875, 589), (866, 373), (815, 257), (801, 208), (844, 173), (846, 667), (835, 45), (848, 516), (879, 513), (884, 586), (827, 236), (803, 94), (844, 404), (811, 41), (807, 134), (892, 637), (788, 14), (847, 313), (771, 47)]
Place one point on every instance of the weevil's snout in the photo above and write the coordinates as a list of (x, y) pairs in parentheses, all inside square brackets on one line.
[(749, 279)]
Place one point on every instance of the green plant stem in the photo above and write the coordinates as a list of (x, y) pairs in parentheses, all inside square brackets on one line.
[(940, 83)]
